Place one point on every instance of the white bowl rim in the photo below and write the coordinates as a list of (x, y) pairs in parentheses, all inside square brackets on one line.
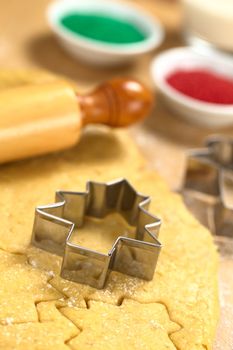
[(151, 42), (178, 97)]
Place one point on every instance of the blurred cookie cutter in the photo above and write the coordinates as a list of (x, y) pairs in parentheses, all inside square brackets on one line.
[(54, 227), (208, 184)]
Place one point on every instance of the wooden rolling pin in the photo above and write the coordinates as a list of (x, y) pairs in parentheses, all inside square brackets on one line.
[(41, 118)]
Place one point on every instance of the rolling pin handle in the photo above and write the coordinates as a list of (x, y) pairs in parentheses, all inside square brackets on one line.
[(118, 102)]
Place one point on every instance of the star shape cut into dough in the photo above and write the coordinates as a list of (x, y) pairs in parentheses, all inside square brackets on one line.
[(105, 326)]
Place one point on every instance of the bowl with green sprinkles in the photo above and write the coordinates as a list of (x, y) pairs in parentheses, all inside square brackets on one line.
[(104, 32)]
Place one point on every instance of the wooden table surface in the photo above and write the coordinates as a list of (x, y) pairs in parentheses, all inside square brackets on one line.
[(26, 41)]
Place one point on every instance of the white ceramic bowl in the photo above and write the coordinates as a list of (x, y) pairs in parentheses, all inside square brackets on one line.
[(96, 52), (206, 114)]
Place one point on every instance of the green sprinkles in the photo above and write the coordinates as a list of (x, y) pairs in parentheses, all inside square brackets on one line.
[(103, 28)]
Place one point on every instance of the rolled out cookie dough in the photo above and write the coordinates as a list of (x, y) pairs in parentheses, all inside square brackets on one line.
[(178, 309)]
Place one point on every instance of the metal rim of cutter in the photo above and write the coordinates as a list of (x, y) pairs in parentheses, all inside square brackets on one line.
[(54, 227), (208, 183)]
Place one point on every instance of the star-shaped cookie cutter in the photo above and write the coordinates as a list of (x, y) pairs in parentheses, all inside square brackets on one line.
[(208, 184), (54, 227)]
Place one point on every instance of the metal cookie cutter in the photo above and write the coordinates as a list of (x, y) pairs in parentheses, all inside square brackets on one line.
[(54, 227), (208, 184)]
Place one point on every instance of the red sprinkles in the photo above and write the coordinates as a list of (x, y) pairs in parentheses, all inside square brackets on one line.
[(202, 85)]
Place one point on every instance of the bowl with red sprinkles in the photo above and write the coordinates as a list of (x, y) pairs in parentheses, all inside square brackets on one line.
[(196, 86)]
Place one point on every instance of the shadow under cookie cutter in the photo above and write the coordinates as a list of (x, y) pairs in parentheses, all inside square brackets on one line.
[(54, 226), (208, 184)]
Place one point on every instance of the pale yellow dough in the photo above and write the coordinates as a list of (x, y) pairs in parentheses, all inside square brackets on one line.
[(178, 309)]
